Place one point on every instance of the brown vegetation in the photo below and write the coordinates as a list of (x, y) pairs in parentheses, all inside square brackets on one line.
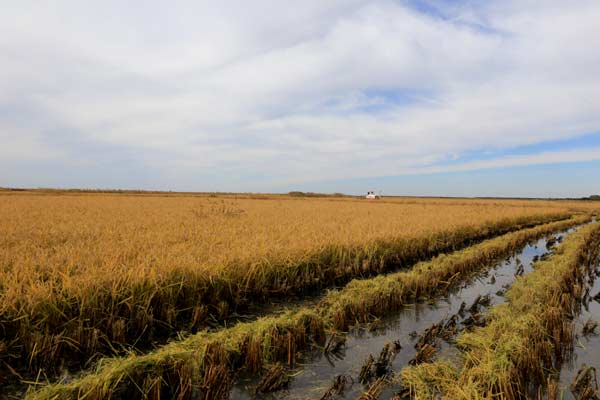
[(362, 300), (96, 273), (271, 339)]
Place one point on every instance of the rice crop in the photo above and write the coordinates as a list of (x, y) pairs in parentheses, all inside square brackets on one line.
[(362, 300), (97, 273), (518, 353), (190, 363)]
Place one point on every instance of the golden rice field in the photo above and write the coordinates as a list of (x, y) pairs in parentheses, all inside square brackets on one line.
[(67, 243), (88, 274)]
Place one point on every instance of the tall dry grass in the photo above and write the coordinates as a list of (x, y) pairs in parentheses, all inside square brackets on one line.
[(190, 363), (90, 273), (362, 300)]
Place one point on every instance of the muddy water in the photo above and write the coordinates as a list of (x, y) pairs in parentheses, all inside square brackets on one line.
[(587, 346), (317, 371)]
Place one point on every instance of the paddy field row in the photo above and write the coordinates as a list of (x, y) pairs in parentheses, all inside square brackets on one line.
[(201, 365), (86, 275), (520, 351)]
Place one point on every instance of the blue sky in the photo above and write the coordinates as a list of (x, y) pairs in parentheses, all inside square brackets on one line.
[(415, 97), (552, 180)]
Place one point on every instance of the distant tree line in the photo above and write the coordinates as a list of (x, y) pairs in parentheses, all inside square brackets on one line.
[(313, 194)]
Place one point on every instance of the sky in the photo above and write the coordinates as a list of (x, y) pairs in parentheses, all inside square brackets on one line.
[(413, 97)]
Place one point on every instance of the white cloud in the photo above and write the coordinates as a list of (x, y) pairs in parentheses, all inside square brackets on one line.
[(19, 145), (547, 157), (321, 90)]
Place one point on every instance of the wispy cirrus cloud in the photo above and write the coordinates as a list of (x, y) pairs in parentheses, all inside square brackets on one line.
[(546, 157), (239, 96)]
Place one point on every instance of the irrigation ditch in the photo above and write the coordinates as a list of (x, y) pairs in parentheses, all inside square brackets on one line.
[(363, 361), (528, 340), (204, 365), (577, 378)]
